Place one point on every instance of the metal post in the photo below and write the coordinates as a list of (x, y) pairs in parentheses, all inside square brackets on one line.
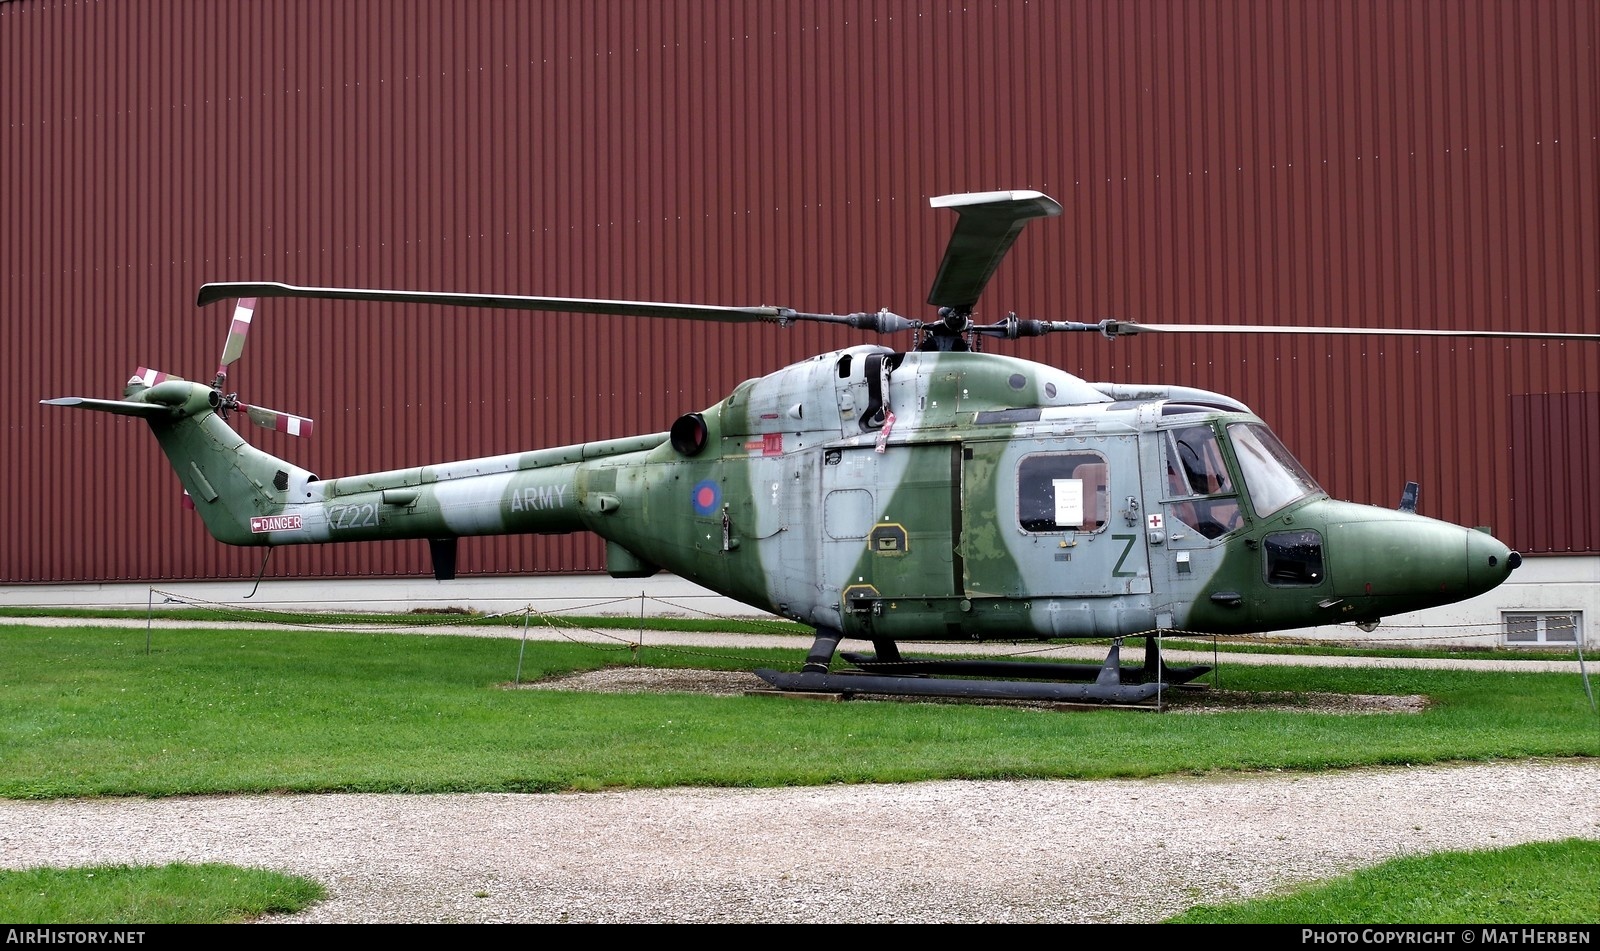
[(1585, 673), (523, 649)]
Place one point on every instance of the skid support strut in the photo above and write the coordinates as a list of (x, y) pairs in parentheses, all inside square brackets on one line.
[(889, 674)]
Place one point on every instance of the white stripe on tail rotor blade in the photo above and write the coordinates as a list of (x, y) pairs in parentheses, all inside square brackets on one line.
[(242, 313), (234, 345), (148, 376), (280, 422)]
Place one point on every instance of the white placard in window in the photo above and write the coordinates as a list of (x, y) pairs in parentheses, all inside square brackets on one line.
[(1069, 501)]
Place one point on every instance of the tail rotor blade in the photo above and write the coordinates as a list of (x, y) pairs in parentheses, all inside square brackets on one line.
[(240, 327), (149, 377), (282, 422)]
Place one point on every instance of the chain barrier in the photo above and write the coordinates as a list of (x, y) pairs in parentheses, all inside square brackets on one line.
[(601, 638), (608, 639)]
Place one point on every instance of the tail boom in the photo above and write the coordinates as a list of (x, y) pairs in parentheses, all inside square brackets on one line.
[(248, 497)]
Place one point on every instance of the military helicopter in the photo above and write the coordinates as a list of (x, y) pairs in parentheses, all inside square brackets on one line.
[(936, 493)]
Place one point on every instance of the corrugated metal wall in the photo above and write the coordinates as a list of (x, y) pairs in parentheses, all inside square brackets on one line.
[(1414, 164)]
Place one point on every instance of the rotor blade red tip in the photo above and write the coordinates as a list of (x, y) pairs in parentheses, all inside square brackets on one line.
[(150, 377), (282, 422)]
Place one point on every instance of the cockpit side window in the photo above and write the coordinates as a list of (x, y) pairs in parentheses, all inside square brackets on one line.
[(1197, 458), (1196, 471), (1062, 492), (1294, 559)]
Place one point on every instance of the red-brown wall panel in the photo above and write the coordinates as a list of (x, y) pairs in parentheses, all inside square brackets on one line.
[(1414, 164)]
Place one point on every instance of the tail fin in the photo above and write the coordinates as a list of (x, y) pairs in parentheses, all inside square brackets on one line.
[(233, 485)]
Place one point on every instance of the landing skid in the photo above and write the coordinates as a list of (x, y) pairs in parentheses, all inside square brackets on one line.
[(896, 676), (1132, 673)]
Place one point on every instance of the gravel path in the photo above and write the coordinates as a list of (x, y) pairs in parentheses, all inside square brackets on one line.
[(1038, 851)]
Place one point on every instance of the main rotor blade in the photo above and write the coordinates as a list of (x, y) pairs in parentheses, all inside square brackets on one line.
[(989, 223), (1122, 328), (210, 293), (1013, 327), (881, 321)]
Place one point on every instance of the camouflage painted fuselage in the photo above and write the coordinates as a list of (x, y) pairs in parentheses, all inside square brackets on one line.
[(899, 495)]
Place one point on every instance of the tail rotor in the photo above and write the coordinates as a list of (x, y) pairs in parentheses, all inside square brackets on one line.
[(226, 403), (223, 402)]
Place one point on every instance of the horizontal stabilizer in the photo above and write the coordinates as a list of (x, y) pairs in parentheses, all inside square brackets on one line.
[(120, 407)]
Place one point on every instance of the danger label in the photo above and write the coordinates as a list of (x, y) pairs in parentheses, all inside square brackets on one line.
[(274, 523)]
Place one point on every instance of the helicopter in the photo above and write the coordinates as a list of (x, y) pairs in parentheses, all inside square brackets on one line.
[(941, 492)]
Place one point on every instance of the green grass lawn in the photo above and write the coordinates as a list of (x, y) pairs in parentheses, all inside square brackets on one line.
[(150, 895), (87, 711), (1540, 883)]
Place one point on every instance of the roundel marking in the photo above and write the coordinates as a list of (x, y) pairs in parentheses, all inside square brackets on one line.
[(707, 495)]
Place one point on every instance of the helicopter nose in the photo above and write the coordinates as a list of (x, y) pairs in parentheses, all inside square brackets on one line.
[(1489, 561), (1406, 562)]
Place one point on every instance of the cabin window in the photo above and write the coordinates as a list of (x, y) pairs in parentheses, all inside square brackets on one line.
[(1062, 492), (1294, 559)]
